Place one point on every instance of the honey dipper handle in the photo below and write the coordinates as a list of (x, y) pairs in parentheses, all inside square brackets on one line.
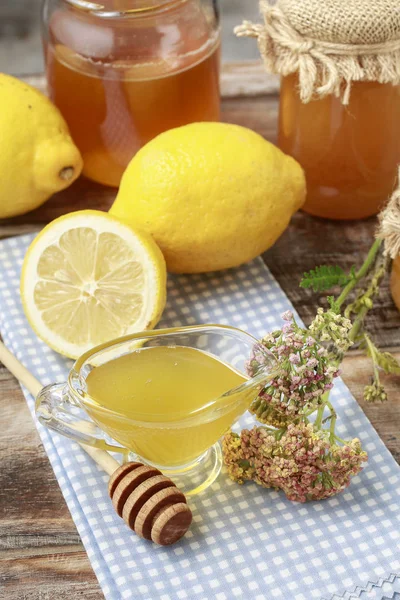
[(102, 458), (19, 371)]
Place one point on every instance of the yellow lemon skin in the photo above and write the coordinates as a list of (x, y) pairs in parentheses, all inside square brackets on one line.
[(38, 156), (213, 195)]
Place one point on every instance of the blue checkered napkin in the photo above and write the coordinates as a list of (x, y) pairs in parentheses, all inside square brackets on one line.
[(246, 542)]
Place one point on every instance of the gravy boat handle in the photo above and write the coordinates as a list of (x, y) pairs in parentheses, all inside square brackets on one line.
[(56, 410)]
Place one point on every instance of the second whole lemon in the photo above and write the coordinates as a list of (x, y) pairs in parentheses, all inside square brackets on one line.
[(212, 195)]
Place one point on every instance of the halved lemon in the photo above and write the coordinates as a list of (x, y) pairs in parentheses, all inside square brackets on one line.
[(87, 278)]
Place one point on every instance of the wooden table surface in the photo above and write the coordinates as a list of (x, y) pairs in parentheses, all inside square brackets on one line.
[(41, 555)]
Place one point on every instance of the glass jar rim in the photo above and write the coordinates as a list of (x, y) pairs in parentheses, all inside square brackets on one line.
[(99, 10)]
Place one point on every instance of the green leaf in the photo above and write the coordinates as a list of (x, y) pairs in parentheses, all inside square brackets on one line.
[(352, 274), (384, 360), (324, 278), (387, 362), (244, 464), (332, 303)]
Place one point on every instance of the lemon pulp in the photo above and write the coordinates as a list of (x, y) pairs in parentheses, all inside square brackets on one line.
[(88, 279)]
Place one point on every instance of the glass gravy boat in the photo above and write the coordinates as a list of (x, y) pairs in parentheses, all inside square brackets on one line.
[(184, 445)]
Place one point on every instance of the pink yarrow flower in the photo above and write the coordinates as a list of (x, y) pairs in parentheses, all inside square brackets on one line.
[(301, 462), (301, 368)]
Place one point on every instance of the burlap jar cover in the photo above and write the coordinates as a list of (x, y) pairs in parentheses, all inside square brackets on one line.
[(329, 43)]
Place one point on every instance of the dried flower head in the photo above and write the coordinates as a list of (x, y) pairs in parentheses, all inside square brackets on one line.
[(300, 461)]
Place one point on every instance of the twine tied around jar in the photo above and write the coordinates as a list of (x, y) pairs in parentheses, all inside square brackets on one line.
[(340, 49), (389, 225)]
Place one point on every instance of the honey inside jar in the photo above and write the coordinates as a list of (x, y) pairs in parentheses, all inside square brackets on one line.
[(350, 154), (121, 78), (395, 282)]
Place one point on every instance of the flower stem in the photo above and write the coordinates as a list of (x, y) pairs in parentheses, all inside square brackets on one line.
[(369, 261), (364, 303), (341, 441), (321, 409), (358, 321), (333, 422), (372, 354)]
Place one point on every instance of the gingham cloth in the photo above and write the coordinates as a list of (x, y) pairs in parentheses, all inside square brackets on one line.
[(245, 542)]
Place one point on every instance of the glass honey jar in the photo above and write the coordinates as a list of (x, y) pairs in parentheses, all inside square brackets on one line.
[(339, 115), (123, 71), (395, 281), (350, 153)]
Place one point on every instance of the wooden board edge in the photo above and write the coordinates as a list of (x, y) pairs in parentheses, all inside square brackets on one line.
[(247, 79)]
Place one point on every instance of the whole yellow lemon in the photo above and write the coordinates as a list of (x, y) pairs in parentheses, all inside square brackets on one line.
[(38, 156), (212, 195)]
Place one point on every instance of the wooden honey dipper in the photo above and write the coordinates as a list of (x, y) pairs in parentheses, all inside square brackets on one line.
[(148, 501)]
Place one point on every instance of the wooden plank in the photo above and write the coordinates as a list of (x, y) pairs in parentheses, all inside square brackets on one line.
[(12, 230), (41, 554), (247, 78), (385, 417), (58, 577), (309, 241)]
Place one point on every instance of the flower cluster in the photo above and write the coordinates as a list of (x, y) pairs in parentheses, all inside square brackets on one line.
[(297, 449), (330, 326), (301, 377), (375, 392), (299, 460)]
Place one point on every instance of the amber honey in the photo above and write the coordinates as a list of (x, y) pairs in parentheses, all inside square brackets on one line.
[(395, 282), (119, 82), (170, 385), (350, 154)]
